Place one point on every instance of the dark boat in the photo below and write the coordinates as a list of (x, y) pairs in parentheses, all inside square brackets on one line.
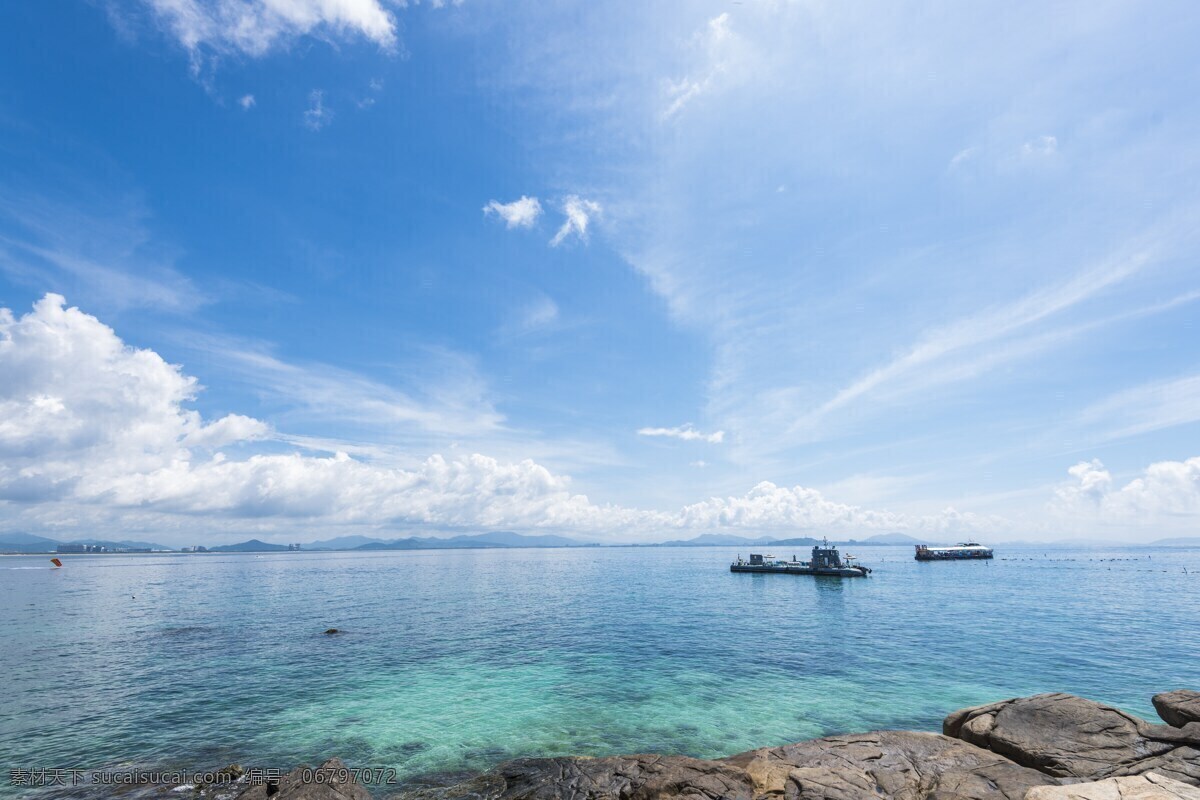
[(826, 560)]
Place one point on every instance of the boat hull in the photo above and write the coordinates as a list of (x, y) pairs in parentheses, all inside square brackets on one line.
[(833, 572), (931, 556)]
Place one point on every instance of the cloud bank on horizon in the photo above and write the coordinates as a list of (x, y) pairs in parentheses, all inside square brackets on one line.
[(436, 272), (95, 431)]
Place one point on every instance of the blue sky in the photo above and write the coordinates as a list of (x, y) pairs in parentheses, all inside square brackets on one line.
[(615, 272)]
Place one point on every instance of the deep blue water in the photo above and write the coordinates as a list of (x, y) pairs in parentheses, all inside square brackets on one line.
[(460, 659)]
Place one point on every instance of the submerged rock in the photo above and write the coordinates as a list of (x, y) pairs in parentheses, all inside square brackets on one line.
[(1150, 786), (1179, 707), (1070, 737)]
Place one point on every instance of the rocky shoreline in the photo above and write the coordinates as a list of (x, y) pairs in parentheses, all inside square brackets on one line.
[(1044, 747)]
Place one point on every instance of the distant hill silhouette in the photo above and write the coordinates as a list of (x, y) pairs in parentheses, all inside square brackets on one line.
[(252, 546), (892, 538), (718, 540), (479, 540), (340, 543), (29, 543)]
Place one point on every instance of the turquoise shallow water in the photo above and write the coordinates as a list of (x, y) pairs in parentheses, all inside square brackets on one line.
[(459, 659)]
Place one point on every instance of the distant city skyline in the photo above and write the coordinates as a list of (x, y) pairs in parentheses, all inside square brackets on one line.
[(783, 269)]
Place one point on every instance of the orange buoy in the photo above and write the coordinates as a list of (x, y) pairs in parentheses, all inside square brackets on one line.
[(56, 562)]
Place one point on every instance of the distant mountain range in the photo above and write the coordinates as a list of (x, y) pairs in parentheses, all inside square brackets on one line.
[(485, 540), (29, 543), (1183, 541), (252, 546)]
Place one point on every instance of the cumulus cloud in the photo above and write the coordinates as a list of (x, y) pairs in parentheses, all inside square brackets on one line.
[(579, 213), (1166, 489), (317, 115), (521, 213), (86, 419), (684, 432), (255, 27), (77, 402), (771, 507), (247, 101)]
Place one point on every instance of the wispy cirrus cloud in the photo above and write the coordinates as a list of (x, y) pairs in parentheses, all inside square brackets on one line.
[(686, 433), (714, 43), (106, 251), (446, 395), (992, 324), (1147, 407), (317, 115), (538, 315)]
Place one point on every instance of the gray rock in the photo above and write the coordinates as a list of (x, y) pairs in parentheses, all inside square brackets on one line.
[(887, 765), (330, 781), (640, 777), (1070, 737), (1179, 707), (1150, 786)]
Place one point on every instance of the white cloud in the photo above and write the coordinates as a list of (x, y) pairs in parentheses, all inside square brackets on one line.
[(770, 507), (87, 420), (247, 101), (255, 27), (714, 42), (1167, 491), (96, 433), (579, 213), (685, 432), (317, 115), (522, 213), (1041, 147), (1092, 483), (77, 403)]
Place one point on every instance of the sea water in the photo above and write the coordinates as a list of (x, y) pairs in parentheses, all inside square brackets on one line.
[(458, 659)]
